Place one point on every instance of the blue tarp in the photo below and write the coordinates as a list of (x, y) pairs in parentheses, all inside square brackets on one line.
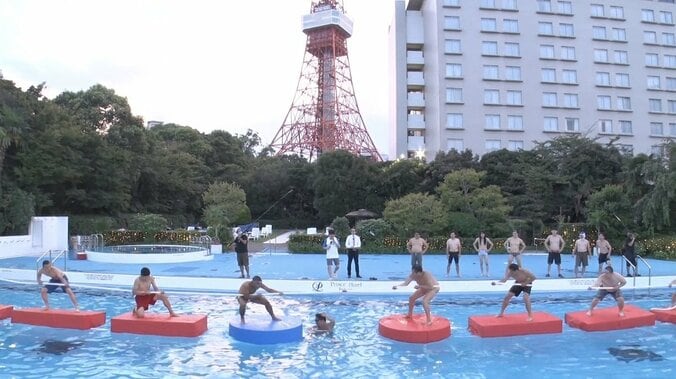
[(246, 228)]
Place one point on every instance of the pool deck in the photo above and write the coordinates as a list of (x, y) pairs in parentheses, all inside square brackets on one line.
[(306, 273)]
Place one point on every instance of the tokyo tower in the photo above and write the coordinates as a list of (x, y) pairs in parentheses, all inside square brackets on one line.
[(324, 115)]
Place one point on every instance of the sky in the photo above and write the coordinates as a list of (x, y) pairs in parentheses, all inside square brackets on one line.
[(208, 64)]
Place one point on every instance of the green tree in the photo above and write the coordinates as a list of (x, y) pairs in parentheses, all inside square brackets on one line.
[(149, 223), (444, 163), (607, 208), (415, 212), (225, 204), (401, 177), (16, 209)]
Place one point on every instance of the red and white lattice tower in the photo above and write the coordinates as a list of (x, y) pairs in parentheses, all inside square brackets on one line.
[(324, 115)]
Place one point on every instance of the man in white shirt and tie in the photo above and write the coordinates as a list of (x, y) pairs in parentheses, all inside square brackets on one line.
[(353, 244)]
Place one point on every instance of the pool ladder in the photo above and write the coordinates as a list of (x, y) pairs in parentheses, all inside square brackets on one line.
[(53, 256), (640, 259)]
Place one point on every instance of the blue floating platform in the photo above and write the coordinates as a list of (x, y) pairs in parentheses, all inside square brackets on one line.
[(262, 330)]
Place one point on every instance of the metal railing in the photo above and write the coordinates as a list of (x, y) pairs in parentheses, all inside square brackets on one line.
[(640, 259), (632, 266), (53, 256), (204, 241)]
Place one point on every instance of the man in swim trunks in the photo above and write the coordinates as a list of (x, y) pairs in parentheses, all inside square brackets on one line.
[(554, 244), (59, 279), (514, 246), (324, 323), (604, 251), (581, 252), (523, 282), (453, 252), (483, 245), (144, 297), (609, 283), (427, 287), (247, 293), (417, 246)]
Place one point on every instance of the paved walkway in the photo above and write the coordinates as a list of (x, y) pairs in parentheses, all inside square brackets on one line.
[(280, 239)]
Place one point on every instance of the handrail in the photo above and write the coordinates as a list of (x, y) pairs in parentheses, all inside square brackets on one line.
[(38, 262), (632, 265), (649, 268)]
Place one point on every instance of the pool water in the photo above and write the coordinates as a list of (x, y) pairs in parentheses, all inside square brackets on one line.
[(354, 350)]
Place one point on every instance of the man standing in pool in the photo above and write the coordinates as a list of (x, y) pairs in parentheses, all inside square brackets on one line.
[(514, 246), (145, 297), (554, 244), (581, 251), (604, 251), (453, 252), (427, 287), (59, 279), (247, 293), (523, 282), (609, 283)]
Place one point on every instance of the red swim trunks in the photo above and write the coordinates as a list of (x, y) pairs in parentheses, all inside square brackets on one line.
[(143, 301)]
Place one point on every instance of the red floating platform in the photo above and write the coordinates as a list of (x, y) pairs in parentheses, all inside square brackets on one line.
[(665, 315), (160, 324), (415, 330), (609, 319), (59, 318), (514, 325), (5, 311)]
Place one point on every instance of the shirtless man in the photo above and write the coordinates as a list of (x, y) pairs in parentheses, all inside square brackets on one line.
[(604, 251), (417, 247), (324, 323), (56, 276), (483, 246), (609, 283), (554, 244), (247, 293), (453, 251), (523, 282), (581, 252), (146, 293), (427, 287), (514, 246)]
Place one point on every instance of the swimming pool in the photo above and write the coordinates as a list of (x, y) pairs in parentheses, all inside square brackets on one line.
[(148, 254), (354, 350)]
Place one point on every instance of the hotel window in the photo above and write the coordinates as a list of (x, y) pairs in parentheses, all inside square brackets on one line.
[(656, 129), (625, 127), (568, 53), (619, 34), (656, 150), (599, 32), (513, 73), (621, 80), (672, 129), (492, 144), (570, 100), (451, 3), (549, 99), (666, 17), (569, 76), (510, 26), (492, 121), (509, 4), (649, 37), (455, 144), (546, 28), (565, 7), (548, 75), (670, 84), (655, 105), (603, 102), (488, 4), (566, 30), (602, 78), (454, 95), (551, 124), (620, 57), (601, 55), (452, 23), (652, 59), (512, 49), (489, 25), (597, 10), (453, 70), (623, 103), (671, 106), (547, 51), (616, 12), (515, 122), (606, 126), (454, 121), (515, 145), (452, 46), (491, 96), (647, 15), (489, 48), (572, 125), (514, 98), (491, 72), (544, 6), (668, 39), (653, 82), (670, 61)]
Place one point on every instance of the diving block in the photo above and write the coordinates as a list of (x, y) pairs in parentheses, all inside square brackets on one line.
[(5, 311), (262, 330), (665, 314), (160, 324), (609, 319), (514, 325), (415, 329), (59, 318)]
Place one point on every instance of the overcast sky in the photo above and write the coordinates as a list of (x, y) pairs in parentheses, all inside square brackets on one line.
[(220, 64)]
